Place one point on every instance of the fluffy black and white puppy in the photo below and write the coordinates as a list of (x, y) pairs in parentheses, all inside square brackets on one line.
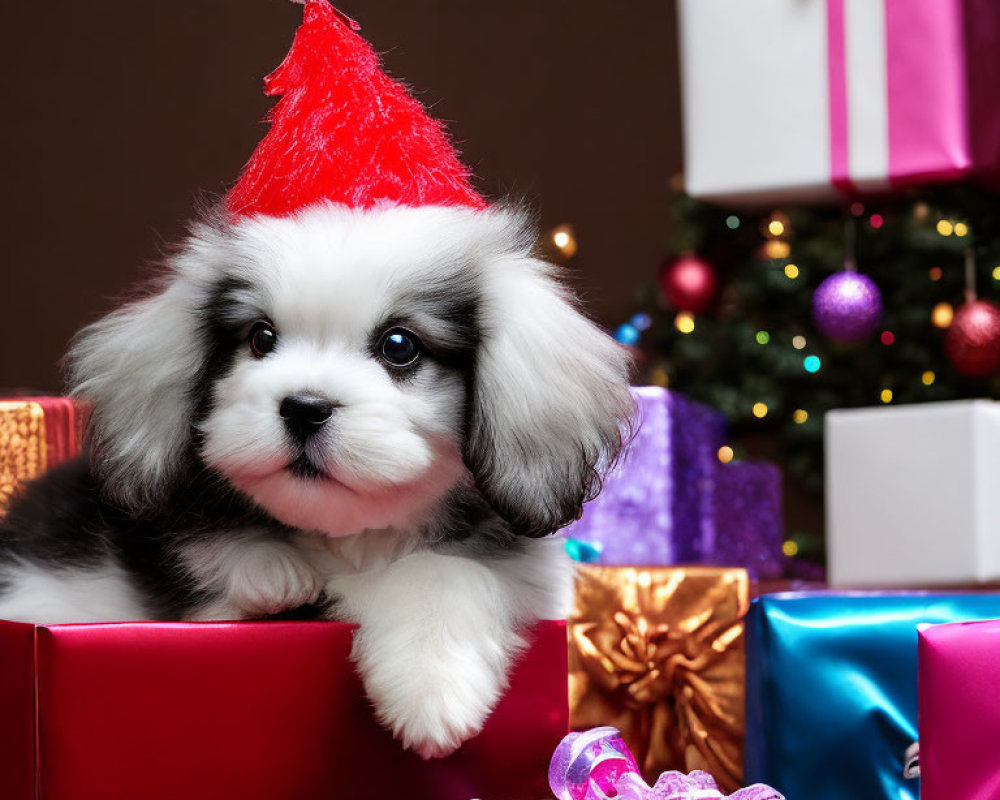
[(382, 413)]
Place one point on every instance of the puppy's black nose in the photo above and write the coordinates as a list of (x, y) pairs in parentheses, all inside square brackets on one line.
[(305, 414)]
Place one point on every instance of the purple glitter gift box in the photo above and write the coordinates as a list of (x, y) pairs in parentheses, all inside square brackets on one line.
[(670, 501), (749, 529)]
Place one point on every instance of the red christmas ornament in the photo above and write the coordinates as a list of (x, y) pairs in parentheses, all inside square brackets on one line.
[(345, 132), (972, 343), (689, 283)]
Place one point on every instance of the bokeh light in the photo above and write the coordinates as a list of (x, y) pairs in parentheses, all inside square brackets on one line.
[(928, 378), (942, 314), (564, 238), (642, 322), (944, 227), (799, 416), (725, 454), (885, 395), (791, 271), (799, 342), (684, 322), (777, 249), (627, 334), (760, 410), (811, 363)]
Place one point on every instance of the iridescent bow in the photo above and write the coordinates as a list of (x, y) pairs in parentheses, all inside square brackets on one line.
[(596, 765)]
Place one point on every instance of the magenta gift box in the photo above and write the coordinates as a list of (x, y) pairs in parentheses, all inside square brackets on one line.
[(959, 711)]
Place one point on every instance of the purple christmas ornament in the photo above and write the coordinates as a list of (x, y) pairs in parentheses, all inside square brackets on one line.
[(596, 765), (847, 306)]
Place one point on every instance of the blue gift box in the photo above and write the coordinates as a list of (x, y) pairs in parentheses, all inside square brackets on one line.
[(832, 689)]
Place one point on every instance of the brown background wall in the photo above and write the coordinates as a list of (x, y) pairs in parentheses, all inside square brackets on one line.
[(116, 114)]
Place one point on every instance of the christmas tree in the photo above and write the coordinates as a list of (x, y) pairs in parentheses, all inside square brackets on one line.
[(734, 326)]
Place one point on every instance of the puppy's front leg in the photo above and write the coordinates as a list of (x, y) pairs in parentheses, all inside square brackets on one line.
[(249, 574), (437, 634)]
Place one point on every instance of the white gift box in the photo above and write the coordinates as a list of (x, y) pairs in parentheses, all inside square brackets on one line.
[(801, 100), (913, 494)]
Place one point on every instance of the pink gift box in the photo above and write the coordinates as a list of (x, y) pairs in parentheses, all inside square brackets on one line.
[(959, 711), (799, 100)]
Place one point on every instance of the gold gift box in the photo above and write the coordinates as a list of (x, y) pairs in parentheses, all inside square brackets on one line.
[(658, 653), (35, 435)]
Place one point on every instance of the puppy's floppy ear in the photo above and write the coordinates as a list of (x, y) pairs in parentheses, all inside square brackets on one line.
[(135, 368), (551, 407)]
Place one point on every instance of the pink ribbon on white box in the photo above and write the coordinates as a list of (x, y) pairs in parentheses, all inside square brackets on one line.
[(900, 102), (874, 94)]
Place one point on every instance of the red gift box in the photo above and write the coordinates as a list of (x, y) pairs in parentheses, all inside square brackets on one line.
[(249, 710)]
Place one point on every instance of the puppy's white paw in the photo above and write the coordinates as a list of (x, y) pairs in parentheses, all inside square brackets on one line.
[(273, 577), (435, 702), (256, 578)]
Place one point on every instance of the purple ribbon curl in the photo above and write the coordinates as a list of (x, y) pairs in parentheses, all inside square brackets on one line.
[(596, 765)]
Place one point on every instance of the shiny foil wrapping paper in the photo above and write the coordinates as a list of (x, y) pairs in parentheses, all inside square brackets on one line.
[(832, 689), (36, 433), (670, 501), (657, 652), (959, 711), (246, 711)]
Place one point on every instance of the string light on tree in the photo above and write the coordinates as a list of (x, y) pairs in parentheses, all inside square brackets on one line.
[(725, 454), (942, 315), (684, 322), (775, 229)]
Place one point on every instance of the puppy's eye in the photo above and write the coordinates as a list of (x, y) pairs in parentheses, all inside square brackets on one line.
[(262, 339), (399, 347)]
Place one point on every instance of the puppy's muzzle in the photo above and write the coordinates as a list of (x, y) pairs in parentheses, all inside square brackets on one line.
[(305, 414)]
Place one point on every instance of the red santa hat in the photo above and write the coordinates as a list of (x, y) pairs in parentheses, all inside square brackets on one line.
[(345, 132)]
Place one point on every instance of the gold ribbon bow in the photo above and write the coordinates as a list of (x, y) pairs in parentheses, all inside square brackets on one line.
[(657, 652)]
